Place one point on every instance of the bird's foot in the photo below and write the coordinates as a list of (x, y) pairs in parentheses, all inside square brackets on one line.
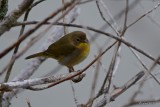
[(78, 78)]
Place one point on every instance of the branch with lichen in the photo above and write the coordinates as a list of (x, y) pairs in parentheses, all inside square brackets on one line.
[(9, 86)]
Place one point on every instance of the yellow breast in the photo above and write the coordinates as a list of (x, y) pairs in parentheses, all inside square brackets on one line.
[(77, 56)]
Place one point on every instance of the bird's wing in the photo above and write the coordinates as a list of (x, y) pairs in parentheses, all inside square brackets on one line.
[(60, 49)]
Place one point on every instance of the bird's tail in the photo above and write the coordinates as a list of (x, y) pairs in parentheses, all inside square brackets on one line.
[(36, 55)]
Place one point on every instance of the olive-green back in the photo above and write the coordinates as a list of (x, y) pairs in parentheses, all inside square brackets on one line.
[(62, 48)]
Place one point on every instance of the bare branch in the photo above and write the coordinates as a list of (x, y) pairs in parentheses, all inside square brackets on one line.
[(144, 102), (126, 15), (32, 82), (98, 6), (28, 102), (120, 90), (143, 15)]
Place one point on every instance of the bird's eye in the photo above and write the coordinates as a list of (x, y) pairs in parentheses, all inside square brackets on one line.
[(78, 39)]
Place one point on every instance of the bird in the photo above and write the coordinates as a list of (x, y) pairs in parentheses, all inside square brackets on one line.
[(69, 50)]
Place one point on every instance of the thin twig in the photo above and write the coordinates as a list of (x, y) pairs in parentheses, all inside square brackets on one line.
[(146, 69), (86, 1), (65, 29), (151, 69), (132, 99), (143, 16), (118, 91), (102, 16), (28, 102), (107, 81), (95, 78), (74, 94), (126, 15), (143, 102), (153, 20)]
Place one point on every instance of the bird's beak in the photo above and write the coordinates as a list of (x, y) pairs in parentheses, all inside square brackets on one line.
[(86, 41)]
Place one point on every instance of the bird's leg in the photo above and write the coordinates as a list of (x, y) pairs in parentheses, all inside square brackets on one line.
[(71, 69), (77, 78)]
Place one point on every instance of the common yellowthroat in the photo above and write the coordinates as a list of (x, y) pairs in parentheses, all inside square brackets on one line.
[(69, 50)]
